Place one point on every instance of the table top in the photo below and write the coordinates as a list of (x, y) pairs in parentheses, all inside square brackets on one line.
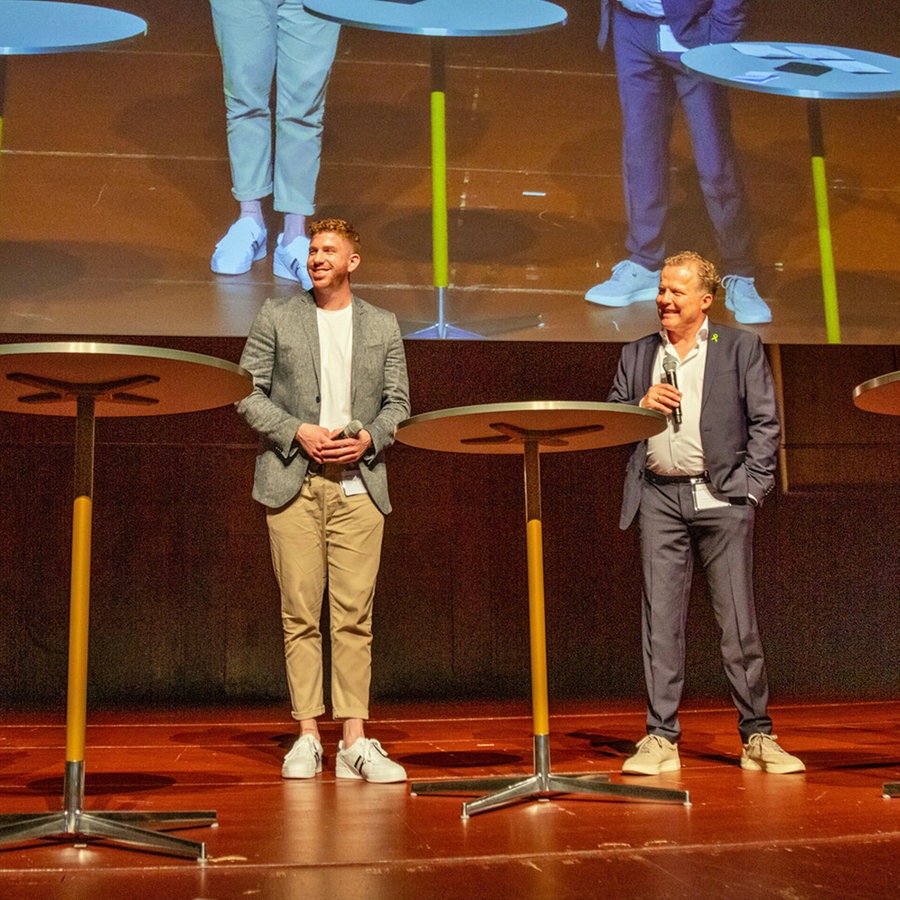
[(556, 426), (879, 395), (166, 381), (725, 64), (37, 26), (443, 18)]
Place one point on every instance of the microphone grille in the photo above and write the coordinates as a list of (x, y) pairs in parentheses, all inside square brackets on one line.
[(669, 364)]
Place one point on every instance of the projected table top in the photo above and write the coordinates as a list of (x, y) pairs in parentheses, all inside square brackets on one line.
[(28, 27), (830, 71), (439, 19), (813, 72), (443, 18)]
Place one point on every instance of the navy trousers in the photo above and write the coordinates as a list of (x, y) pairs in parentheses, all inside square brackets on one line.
[(671, 532), (651, 83)]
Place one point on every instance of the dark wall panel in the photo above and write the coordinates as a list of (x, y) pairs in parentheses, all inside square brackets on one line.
[(185, 609)]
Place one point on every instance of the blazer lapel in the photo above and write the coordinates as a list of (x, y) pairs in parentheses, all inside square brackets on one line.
[(359, 348), (714, 350), (645, 365), (310, 328)]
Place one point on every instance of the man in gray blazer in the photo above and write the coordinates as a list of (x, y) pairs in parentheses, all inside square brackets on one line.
[(695, 487), (330, 389)]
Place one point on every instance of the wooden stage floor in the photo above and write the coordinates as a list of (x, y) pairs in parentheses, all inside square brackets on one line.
[(826, 833), (115, 186)]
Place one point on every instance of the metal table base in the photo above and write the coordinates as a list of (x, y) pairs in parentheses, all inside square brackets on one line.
[(504, 790)]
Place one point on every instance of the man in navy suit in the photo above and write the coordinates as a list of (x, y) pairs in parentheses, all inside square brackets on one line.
[(649, 37), (695, 488)]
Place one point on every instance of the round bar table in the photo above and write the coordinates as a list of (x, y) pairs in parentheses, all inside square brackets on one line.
[(440, 19), (881, 395), (30, 27), (814, 72), (532, 428), (88, 380)]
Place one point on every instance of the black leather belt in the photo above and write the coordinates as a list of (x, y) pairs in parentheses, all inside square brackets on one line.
[(331, 470), (654, 478)]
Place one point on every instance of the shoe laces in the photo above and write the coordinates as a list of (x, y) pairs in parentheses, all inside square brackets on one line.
[(371, 748), (302, 744), (649, 743), (760, 741), (734, 282), (624, 270)]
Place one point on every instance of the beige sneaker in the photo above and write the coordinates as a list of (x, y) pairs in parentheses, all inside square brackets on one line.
[(653, 754), (762, 754)]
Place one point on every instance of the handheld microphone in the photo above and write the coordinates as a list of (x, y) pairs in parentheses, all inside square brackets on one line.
[(670, 367), (351, 429)]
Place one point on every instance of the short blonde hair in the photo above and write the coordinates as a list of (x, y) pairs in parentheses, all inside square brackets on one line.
[(338, 226), (706, 271)]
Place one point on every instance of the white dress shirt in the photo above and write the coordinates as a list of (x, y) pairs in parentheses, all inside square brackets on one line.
[(679, 450), (645, 7)]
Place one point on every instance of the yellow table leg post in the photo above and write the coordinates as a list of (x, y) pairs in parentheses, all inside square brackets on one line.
[(440, 253), (439, 237), (119, 826), (536, 607), (823, 219), (79, 609), (543, 782)]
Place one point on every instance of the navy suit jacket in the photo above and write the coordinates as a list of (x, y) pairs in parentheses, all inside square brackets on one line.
[(694, 23), (739, 425)]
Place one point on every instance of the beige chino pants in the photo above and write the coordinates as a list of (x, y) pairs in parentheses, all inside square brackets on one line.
[(326, 539)]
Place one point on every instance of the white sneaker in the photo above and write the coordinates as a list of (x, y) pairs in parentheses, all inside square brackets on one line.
[(242, 245), (742, 298), (290, 262), (304, 760), (366, 759), (630, 281)]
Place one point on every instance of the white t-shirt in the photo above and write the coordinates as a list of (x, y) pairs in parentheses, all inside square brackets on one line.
[(336, 352)]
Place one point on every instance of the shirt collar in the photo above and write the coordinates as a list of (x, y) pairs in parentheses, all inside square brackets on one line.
[(702, 335)]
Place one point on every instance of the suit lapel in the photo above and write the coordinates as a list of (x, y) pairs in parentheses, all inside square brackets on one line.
[(645, 364), (359, 347), (715, 347), (310, 328)]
